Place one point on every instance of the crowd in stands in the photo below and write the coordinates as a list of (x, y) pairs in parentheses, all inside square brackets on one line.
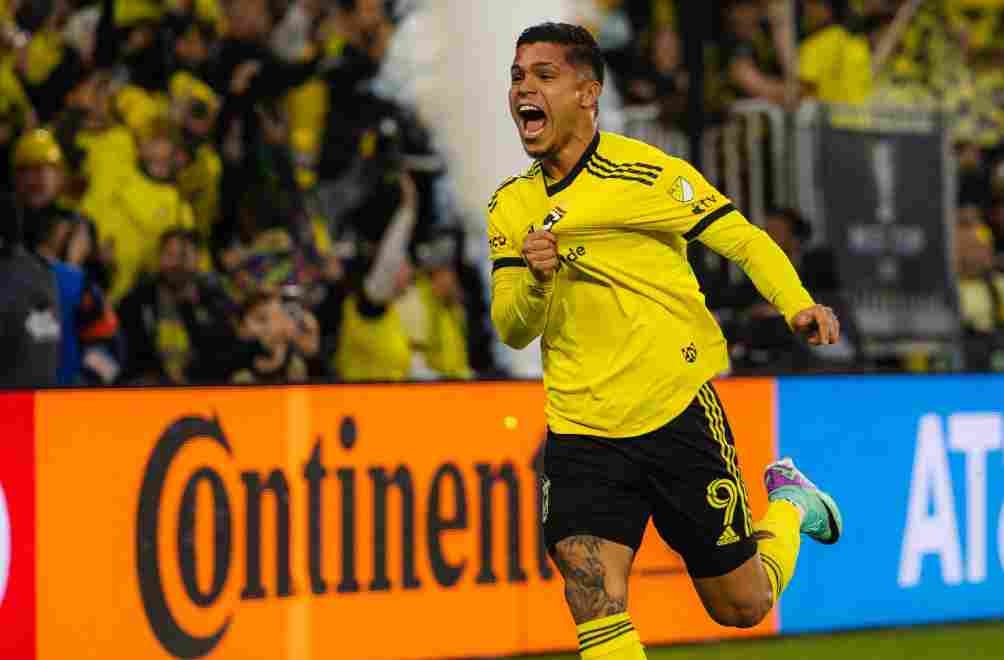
[(946, 55), (210, 191)]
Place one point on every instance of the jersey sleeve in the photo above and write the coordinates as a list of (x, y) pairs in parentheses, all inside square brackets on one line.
[(503, 249), (681, 201), (762, 260), (519, 301)]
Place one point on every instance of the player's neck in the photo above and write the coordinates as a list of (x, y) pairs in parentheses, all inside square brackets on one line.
[(556, 167)]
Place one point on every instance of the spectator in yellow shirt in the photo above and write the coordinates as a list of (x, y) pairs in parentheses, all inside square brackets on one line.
[(433, 314), (196, 106), (107, 149), (834, 66), (133, 215), (981, 294)]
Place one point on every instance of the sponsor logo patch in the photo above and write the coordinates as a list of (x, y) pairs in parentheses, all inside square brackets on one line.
[(682, 190)]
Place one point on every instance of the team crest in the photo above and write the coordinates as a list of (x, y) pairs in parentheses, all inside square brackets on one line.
[(689, 353), (682, 191), (556, 214)]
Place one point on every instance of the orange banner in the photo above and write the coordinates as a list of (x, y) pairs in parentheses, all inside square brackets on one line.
[(339, 522)]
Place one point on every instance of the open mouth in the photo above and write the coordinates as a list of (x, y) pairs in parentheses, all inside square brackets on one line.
[(533, 120)]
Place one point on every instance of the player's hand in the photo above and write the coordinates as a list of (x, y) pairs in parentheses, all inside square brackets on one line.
[(819, 324), (540, 251)]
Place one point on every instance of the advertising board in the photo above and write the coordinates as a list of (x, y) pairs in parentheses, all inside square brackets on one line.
[(17, 527), (350, 522), (916, 465)]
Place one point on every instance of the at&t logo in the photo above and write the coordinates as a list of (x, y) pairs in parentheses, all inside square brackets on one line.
[(4, 544)]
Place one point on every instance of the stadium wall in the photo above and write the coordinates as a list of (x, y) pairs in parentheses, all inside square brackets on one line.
[(349, 522), (916, 465), (401, 521)]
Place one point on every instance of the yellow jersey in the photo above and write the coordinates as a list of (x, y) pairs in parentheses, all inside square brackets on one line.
[(437, 329), (134, 216), (626, 337), (837, 64), (371, 348)]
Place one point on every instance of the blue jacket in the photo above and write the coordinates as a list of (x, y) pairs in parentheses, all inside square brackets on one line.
[(70, 284)]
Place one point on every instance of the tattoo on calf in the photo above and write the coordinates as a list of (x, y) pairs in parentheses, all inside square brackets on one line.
[(578, 559)]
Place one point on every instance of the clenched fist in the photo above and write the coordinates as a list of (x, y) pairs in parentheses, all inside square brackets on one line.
[(818, 324), (540, 251)]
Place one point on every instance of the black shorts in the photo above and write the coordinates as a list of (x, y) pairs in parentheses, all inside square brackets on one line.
[(684, 475)]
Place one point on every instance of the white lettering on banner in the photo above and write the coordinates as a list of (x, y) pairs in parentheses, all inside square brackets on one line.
[(931, 527), (937, 532), (4, 544), (975, 434), (1000, 538)]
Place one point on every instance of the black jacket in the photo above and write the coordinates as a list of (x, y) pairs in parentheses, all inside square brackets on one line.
[(29, 321), (210, 334)]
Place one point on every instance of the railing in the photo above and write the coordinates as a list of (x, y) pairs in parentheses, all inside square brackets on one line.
[(734, 154), (763, 157)]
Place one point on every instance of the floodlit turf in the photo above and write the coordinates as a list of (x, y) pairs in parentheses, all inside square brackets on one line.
[(983, 641)]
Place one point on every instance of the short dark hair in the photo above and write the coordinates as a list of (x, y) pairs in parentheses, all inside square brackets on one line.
[(580, 47)]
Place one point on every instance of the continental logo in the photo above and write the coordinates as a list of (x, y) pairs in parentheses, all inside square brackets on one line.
[(192, 471)]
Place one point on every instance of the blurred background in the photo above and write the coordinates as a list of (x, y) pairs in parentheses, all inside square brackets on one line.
[(273, 191), (208, 192)]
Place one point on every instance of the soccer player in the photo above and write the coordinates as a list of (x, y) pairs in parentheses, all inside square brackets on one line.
[(589, 252)]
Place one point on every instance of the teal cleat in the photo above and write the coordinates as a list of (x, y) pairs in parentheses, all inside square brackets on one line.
[(822, 520)]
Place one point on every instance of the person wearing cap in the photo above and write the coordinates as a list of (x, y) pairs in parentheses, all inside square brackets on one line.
[(62, 240), (433, 315)]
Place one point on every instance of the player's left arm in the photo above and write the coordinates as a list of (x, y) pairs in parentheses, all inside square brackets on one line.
[(775, 278), (684, 203)]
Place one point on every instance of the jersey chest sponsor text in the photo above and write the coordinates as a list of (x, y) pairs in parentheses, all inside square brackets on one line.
[(571, 255)]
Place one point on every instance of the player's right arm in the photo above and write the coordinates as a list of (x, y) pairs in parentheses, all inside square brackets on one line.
[(522, 279)]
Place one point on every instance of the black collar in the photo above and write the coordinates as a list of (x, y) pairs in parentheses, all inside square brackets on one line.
[(570, 177)]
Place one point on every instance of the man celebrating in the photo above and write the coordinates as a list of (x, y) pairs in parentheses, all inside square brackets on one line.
[(589, 252)]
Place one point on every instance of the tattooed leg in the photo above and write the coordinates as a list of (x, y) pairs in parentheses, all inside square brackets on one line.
[(596, 576)]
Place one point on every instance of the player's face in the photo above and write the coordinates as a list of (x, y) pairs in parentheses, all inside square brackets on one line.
[(545, 98)]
